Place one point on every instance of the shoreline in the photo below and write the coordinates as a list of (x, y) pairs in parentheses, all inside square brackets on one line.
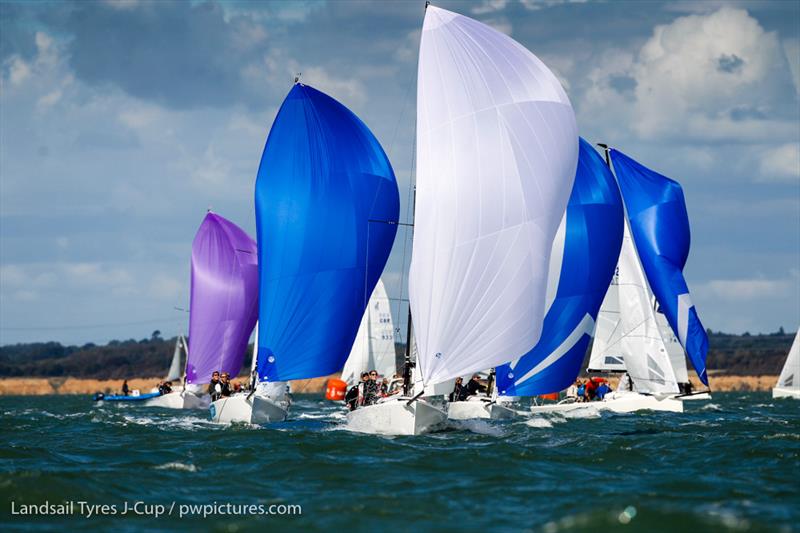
[(33, 386)]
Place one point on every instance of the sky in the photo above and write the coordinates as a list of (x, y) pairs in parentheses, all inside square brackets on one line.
[(122, 122)]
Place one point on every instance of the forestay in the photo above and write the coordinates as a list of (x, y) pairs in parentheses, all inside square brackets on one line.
[(588, 254), (497, 149), (326, 214), (224, 298), (659, 224)]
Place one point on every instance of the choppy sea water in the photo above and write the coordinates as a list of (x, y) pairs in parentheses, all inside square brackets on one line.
[(728, 464)]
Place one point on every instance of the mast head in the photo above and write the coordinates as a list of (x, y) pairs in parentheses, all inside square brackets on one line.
[(427, 3), (603, 146), (297, 77)]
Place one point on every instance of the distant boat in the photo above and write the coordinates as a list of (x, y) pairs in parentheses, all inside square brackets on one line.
[(327, 207), (222, 311), (496, 149), (373, 348), (788, 385)]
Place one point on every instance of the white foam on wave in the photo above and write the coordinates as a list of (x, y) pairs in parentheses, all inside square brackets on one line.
[(582, 413), (183, 467), (537, 422), (481, 427), (711, 407)]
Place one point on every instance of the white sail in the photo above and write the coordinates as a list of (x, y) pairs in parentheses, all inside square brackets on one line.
[(176, 367), (606, 355), (676, 353), (790, 375), (636, 334), (497, 149), (373, 348)]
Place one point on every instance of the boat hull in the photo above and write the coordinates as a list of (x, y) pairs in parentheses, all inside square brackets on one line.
[(118, 398), (778, 392), (248, 409), (394, 416), (470, 409), (694, 397), (180, 400), (624, 402)]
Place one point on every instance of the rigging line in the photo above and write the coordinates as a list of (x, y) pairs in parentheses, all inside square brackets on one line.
[(409, 207)]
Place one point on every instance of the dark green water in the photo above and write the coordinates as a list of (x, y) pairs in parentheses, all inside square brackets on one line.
[(729, 464)]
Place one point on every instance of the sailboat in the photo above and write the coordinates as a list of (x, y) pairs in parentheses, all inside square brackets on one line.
[(373, 348), (327, 207), (630, 335), (222, 311), (497, 148), (583, 261), (193, 398), (788, 385)]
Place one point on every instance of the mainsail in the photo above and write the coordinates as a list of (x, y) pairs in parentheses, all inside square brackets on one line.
[(588, 258), (790, 375), (659, 225), (373, 348), (497, 149), (224, 298), (326, 212)]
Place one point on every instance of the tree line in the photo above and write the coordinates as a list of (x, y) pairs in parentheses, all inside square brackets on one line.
[(746, 354)]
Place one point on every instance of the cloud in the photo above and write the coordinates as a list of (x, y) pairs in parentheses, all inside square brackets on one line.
[(714, 76), (535, 5), (781, 164), (786, 287), (178, 54)]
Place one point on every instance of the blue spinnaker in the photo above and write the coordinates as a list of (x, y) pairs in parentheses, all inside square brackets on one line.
[(326, 212), (592, 242), (660, 228)]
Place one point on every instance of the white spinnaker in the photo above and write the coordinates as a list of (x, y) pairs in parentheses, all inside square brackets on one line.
[(790, 375), (554, 271), (497, 149), (646, 357), (373, 348)]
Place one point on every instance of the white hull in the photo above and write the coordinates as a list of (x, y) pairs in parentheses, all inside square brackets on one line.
[(618, 402), (180, 400), (778, 392), (694, 397), (394, 416), (479, 408), (247, 409)]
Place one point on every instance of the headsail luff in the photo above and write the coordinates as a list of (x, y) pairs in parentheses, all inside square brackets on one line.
[(224, 298), (588, 255), (326, 211), (497, 149), (659, 224)]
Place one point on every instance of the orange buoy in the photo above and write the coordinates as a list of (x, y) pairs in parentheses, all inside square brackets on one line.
[(335, 390)]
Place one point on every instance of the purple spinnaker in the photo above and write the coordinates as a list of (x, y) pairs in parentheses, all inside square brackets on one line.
[(224, 299)]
